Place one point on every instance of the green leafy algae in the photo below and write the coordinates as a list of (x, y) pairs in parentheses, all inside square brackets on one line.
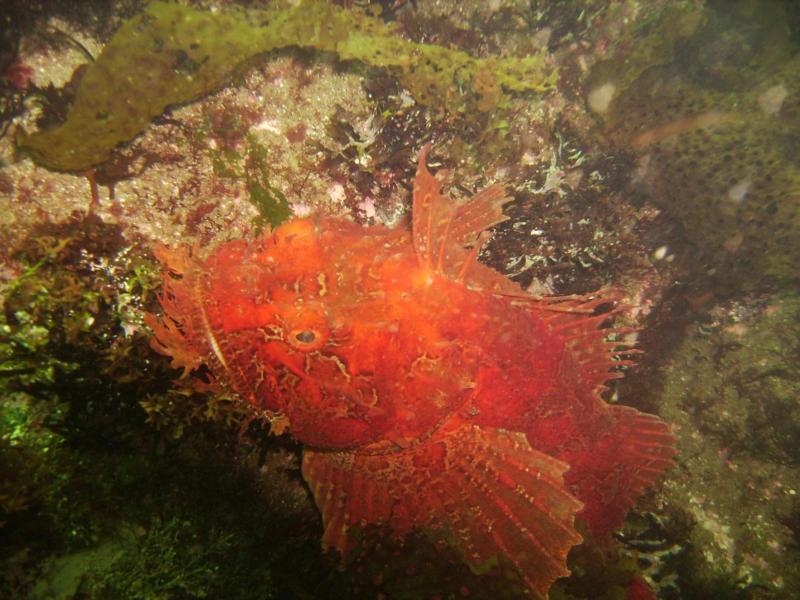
[(271, 204), (168, 54), (171, 54)]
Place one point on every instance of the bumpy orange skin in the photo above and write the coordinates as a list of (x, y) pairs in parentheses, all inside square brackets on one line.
[(430, 390)]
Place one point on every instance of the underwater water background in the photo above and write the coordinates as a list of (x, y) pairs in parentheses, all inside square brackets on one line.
[(647, 146)]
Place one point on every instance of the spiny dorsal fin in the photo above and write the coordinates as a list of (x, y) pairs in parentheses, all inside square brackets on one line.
[(443, 229)]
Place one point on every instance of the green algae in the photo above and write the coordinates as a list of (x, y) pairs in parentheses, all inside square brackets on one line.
[(167, 55), (72, 420), (171, 54), (252, 166), (272, 206)]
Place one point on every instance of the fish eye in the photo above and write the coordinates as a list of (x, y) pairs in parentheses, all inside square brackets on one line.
[(306, 328), (305, 337)]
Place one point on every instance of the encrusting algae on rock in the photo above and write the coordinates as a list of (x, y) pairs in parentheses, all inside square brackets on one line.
[(430, 392)]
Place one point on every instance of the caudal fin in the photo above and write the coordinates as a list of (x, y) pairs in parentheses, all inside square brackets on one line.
[(611, 475)]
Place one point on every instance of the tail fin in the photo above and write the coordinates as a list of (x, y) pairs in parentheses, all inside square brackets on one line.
[(609, 476)]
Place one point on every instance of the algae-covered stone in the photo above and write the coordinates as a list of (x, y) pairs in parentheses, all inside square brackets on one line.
[(731, 391), (653, 42), (713, 119), (172, 54)]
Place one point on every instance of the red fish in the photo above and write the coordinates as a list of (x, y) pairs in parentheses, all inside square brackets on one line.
[(430, 392)]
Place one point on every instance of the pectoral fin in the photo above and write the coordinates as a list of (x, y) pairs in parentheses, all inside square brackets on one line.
[(487, 489)]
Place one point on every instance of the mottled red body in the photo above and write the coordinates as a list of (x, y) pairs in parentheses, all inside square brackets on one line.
[(431, 392)]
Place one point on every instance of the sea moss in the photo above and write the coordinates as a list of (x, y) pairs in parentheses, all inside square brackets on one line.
[(171, 54), (653, 41)]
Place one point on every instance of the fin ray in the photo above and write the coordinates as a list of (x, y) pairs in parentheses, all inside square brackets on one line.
[(487, 488), (610, 476), (443, 229)]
